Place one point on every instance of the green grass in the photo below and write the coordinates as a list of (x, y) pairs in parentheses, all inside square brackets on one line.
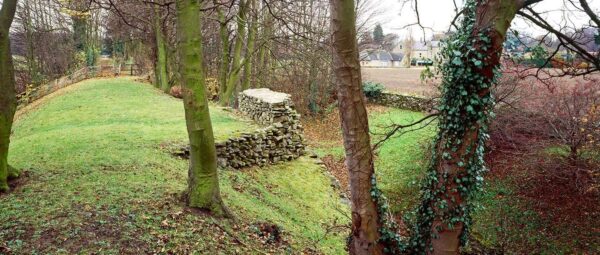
[(98, 180), (402, 159), (296, 196)]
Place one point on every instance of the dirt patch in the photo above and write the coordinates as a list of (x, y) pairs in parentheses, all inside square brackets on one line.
[(15, 184), (560, 192), (268, 232), (337, 168), (323, 130)]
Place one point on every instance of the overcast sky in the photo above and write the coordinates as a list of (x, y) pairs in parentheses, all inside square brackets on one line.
[(438, 14)]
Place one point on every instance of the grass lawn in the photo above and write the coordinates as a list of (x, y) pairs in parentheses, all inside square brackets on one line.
[(401, 160), (97, 179)]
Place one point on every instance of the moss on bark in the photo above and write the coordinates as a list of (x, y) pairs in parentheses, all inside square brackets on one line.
[(8, 101), (162, 76), (203, 180), (236, 65)]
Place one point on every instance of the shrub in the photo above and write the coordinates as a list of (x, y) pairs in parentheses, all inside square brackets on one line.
[(372, 90), (573, 116)]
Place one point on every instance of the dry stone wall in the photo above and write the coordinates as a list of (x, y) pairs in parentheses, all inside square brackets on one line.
[(281, 140), (413, 103)]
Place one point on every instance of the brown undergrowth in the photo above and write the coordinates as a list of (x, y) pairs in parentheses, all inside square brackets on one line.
[(324, 132), (561, 192)]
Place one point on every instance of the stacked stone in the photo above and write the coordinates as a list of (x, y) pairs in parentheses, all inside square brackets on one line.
[(412, 103), (281, 140)]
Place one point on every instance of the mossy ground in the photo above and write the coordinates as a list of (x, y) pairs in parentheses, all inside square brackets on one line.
[(97, 180)]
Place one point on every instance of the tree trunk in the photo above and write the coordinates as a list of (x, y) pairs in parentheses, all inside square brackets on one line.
[(225, 48), (162, 76), (456, 172), (80, 32), (250, 49), (203, 183), (359, 156), (236, 66), (8, 101), (264, 62)]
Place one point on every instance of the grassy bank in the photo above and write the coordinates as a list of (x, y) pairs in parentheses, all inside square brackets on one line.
[(97, 179)]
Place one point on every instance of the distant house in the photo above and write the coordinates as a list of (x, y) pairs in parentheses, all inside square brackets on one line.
[(425, 50), (380, 58), (397, 59), (422, 53)]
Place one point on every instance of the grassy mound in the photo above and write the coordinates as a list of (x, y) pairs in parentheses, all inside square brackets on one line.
[(98, 180)]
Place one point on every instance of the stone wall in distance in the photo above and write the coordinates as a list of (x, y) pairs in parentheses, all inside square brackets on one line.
[(413, 103)]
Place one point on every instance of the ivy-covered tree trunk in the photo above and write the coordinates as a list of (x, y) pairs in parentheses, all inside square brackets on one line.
[(470, 68), (365, 235), (162, 75), (236, 65), (8, 101), (203, 180)]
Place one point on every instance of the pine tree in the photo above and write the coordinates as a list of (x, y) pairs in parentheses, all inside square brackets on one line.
[(378, 35)]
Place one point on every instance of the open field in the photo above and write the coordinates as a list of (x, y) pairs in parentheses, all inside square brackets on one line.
[(402, 80)]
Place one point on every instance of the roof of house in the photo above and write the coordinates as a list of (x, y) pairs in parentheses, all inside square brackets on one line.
[(397, 56), (379, 55)]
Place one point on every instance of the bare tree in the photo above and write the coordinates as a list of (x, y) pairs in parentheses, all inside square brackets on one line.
[(366, 221)]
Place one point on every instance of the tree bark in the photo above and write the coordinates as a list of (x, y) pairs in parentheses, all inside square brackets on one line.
[(225, 51), (359, 156), (252, 24), (264, 62), (203, 183), (8, 101), (236, 66), (162, 75), (461, 136)]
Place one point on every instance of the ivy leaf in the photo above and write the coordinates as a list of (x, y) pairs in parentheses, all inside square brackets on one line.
[(457, 61), (470, 108), (477, 63)]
